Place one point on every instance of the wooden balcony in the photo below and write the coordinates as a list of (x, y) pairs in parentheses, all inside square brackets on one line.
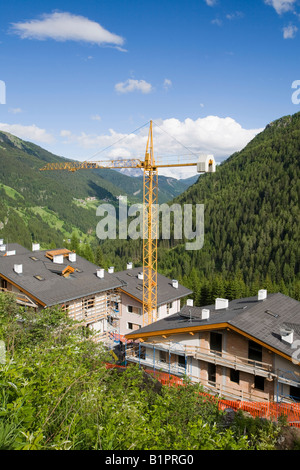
[(215, 357)]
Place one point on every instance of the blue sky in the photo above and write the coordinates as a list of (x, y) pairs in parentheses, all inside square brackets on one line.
[(81, 76)]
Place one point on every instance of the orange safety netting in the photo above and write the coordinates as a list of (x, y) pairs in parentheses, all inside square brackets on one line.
[(268, 410)]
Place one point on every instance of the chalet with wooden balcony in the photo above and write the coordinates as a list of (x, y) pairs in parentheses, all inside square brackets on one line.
[(247, 349), (41, 279)]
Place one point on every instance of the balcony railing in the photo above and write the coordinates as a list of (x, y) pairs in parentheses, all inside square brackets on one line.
[(222, 358)]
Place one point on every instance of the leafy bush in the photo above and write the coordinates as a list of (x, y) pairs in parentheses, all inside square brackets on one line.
[(56, 393)]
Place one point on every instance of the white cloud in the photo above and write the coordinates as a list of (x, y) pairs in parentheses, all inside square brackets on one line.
[(65, 133), (212, 134), (235, 16), (32, 132), (133, 85), (15, 110), (167, 83), (96, 117), (281, 6), (217, 21), (289, 32), (210, 3), (65, 26)]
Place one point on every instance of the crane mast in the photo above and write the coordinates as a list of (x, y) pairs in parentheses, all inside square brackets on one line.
[(150, 233)]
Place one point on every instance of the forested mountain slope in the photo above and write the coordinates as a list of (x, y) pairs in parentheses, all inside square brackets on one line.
[(49, 206), (252, 222), (252, 213)]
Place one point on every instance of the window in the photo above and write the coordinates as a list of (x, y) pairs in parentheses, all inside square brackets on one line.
[(133, 326), (211, 373), (163, 356), (259, 383), (89, 303), (255, 351), (235, 376), (216, 342), (136, 310), (181, 361), (295, 393), (3, 284)]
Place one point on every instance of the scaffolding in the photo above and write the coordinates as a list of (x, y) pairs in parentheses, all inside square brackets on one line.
[(100, 313), (21, 299), (177, 359)]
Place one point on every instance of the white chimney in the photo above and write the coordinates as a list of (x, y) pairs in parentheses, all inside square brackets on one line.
[(262, 294), (18, 268), (140, 275), (35, 247), (221, 303), (100, 273), (129, 265), (287, 335), (190, 302), (2, 247), (58, 259), (205, 313), (11, 253), (111, 270), (72, 257), (175, 283)]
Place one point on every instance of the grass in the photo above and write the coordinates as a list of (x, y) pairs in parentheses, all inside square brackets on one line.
[(12, 193)]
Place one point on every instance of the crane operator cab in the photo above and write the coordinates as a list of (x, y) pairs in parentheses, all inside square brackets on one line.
[(206, 164)]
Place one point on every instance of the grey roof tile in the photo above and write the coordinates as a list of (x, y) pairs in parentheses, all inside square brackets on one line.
[(55, 289), (165, 292), (260, 319)]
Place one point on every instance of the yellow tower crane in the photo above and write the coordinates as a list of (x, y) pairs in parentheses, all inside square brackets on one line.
[(204, 164)]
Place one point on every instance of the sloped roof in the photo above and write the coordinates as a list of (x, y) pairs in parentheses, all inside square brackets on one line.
[(166, 293), (257, 319), (50, 288)]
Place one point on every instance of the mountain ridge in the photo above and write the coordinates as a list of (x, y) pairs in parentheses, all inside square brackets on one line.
[(50, 206)]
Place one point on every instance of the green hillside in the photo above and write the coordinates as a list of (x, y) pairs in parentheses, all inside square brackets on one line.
[(50, 206)]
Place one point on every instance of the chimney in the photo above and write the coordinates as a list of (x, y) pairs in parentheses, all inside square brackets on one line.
[(140, 275), (72, 257), (18, 268), (129, 265), (287, 335), (175, 283), (35, 247), (100, 273), (221, 304), (58, 259), (190, 302), (111, 270), (11, 253), (205, 313), (262, 294)]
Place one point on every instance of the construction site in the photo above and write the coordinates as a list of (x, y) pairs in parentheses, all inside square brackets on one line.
[(242, 351)]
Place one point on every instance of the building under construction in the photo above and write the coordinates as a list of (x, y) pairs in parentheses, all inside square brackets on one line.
[(247, 349)]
